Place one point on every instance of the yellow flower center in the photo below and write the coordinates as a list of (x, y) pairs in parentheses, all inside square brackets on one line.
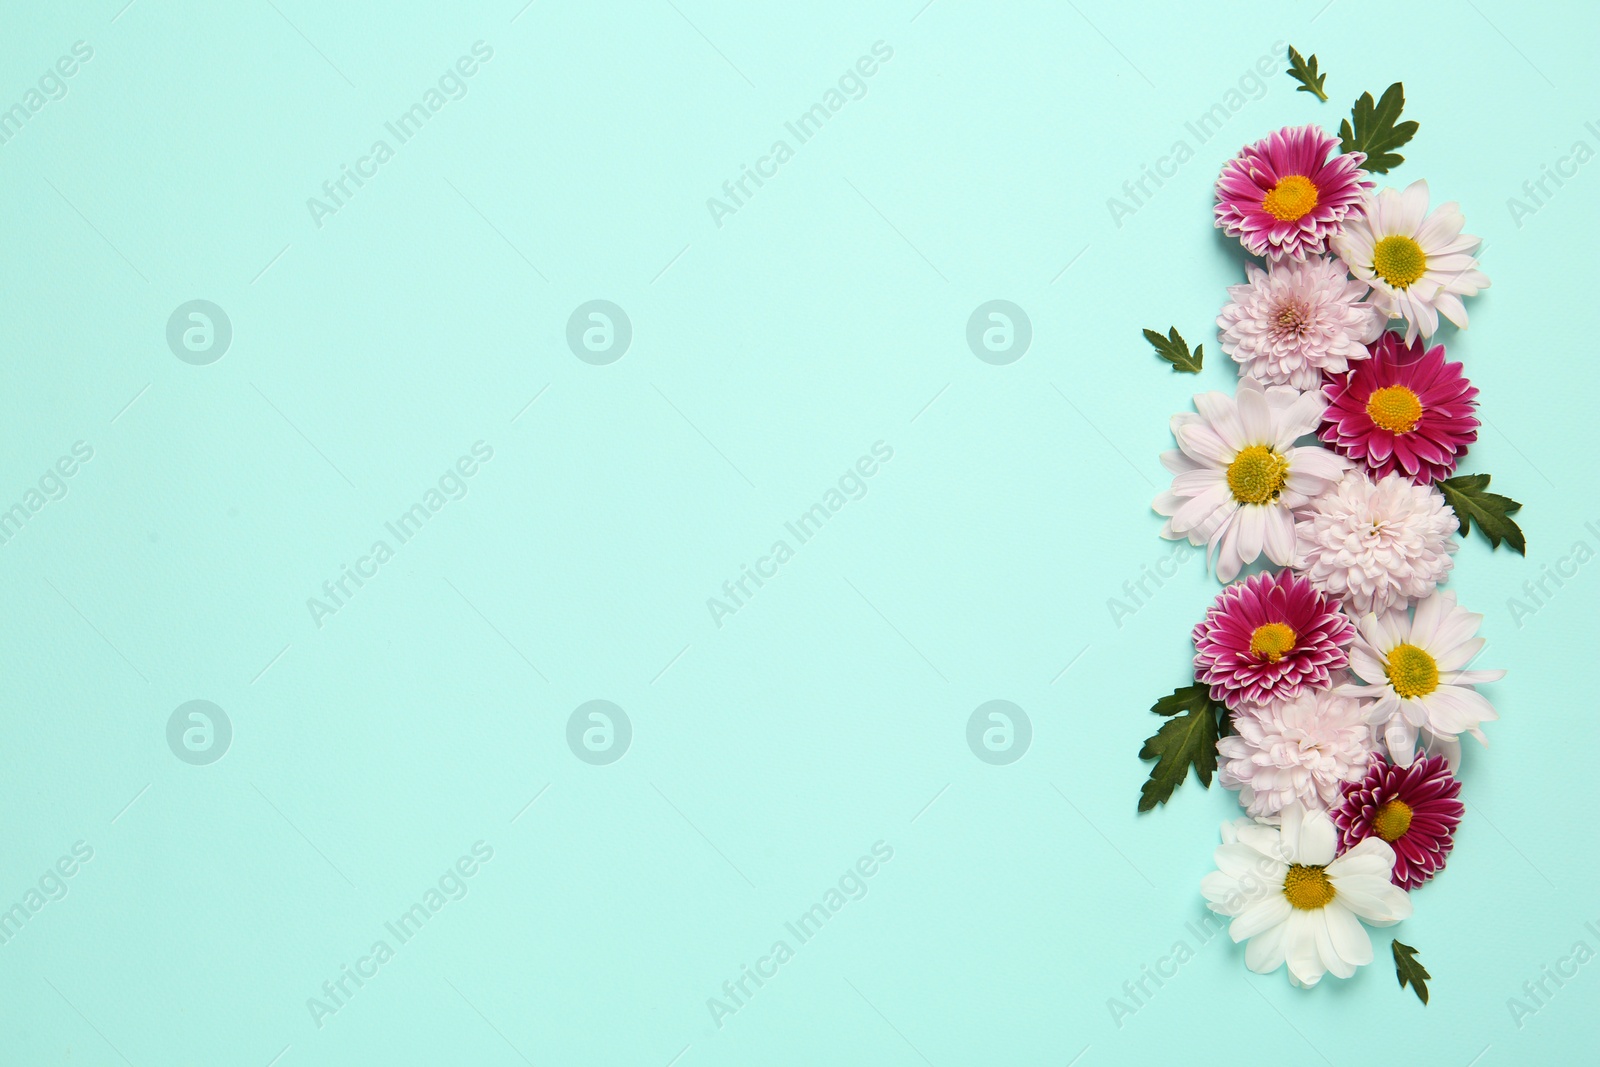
[(1293, 198), (1399, 260), (1307, 888), (1395, 408), (1257, 474), (1412, 672), (1271, 641), (1393, 820)]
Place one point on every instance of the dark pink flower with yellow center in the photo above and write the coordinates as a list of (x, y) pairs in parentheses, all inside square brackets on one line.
[(1405, 409), (1268, 637), (1284, 196), (1413, 808)]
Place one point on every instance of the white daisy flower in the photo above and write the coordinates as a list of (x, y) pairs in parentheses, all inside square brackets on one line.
[(1297, 319), (1419, 265), (1297, 904), (1410, 666), (1238, 475), (1376, 545)]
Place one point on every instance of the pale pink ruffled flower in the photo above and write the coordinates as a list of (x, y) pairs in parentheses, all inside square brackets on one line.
[(1298, 320), (1306, 749), (1376, 545)]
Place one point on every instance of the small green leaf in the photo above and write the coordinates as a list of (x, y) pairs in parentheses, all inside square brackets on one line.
[(1408, 970), (1376, 132), (1468, 494), (1304, 71), (1187, 739), (1175, 350)]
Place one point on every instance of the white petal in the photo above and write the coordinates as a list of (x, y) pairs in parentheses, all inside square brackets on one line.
[(1260, 916)]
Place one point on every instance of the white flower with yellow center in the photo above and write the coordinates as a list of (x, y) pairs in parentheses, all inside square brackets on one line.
[(1238, 474), (1298, 904), (1410, 666), (1419, 265)]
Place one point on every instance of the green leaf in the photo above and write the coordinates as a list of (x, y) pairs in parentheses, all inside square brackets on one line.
[(1304, 71), (1175, 350), (1408, 970), (1375, 132), (1187, 739), (1468, 495)]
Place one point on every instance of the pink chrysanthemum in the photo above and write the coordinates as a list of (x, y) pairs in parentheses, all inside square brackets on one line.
[(1298, 320), (1413, 808), (1267, 637), (1374, 545), (1404, 409), (1283, 196), (1307, 748)]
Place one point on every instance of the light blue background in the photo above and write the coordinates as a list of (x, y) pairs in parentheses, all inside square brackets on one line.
[(768, 355)]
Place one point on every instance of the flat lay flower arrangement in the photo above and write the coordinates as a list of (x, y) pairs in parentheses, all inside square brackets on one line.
[(1334, 680)]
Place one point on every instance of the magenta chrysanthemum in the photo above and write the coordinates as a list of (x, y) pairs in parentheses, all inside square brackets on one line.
[(1283, 196), (1404, 409), (1413, 808), (1267, 637)]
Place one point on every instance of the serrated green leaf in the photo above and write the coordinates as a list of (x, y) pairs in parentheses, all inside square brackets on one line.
[(1408, 970), (1175, 350), (1187, 739), (1468, 494), (1304, 71), (1375, 131)]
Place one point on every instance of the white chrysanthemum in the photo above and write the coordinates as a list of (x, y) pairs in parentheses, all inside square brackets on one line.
[(1238, 474), (1295, 903), (1409, 665), (1376, 545), (1296, 319), (1303, 750), (1419, 265)]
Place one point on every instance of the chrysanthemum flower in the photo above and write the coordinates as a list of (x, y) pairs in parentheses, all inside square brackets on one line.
[(1298, 904), (1376, 545), (1419, 265), (1283, 196), (1410, 666), (1305, 749), (1404, 409), (1268, 637), (1238, 474), (1296, 320), (1413, 808)]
